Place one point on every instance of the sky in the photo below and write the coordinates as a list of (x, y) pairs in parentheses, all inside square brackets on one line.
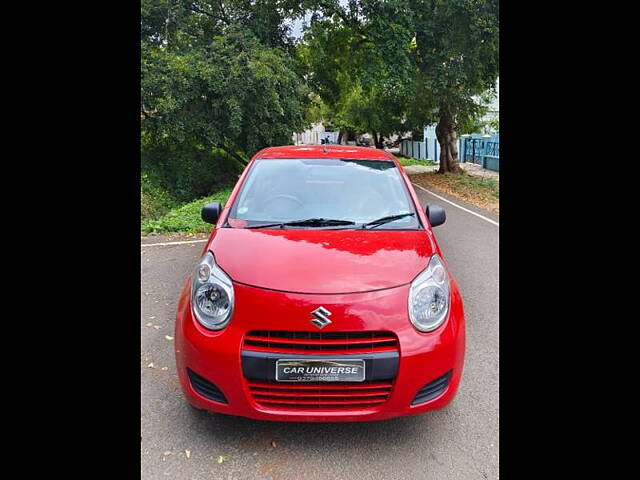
[(296, 27)]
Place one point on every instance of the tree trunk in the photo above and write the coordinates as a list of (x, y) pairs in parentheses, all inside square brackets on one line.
[(340, 135), (377, 140), (448, 140)]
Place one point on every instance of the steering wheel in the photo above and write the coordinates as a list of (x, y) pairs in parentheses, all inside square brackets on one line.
[(285, 197)]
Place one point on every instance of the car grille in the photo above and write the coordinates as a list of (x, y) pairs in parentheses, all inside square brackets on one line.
[(205, 388), (320, 342), (321, 395), (432, 389)]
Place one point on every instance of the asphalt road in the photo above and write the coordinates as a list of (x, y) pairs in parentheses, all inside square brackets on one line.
[(459, 442)]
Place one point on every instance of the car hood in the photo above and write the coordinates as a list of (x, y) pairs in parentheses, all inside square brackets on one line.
[(322, 261)]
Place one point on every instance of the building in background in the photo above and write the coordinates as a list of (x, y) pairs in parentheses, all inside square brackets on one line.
[(493, 114), (315, 135)]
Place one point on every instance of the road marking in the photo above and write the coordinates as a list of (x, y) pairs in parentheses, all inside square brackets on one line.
[(456, 205), (186, 242)]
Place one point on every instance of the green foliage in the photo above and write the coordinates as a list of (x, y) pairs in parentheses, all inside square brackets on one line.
[(234, 94), (395, 65), (406, 162), (154, 200), (219, 81), (181, 25), (186, 218), (456, 50), (184, 170), (363, 88)]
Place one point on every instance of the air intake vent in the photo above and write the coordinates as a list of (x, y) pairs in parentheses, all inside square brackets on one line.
[(320, 395), (205, 388), (432, 389), (320, 342)]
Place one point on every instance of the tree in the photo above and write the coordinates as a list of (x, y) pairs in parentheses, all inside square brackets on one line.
[(220, 74), (353, 71), (427, 61), (457, 57), (235, 94)]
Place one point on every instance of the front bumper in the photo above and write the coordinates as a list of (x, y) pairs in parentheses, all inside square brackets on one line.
[(422, 358)]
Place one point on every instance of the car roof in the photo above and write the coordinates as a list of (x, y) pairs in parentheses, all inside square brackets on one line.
[(324, 151)]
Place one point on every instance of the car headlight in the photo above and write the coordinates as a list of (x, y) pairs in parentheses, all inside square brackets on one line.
[(211, 294), (429, 296)]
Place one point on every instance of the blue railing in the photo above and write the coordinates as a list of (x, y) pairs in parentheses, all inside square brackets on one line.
[(481, 150), (477, 148)]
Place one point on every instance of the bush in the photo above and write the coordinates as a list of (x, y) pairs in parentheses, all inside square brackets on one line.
[(154, 200), (185, 218), (186, 171)]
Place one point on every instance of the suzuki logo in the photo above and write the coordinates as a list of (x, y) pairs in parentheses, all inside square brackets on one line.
[(321, 319)]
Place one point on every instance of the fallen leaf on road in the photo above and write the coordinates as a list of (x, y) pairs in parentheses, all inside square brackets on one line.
[(149, 324), (273, 443), (164, 368), (221, 459), (167, 453), (157, 327), (151, 365), (187, 453), (152, 317), (168, 337)]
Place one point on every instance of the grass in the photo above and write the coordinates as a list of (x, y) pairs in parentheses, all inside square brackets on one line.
[(484, 193), (406, 161), (184, 218)]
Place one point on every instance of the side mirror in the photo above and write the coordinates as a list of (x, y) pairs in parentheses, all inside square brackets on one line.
[(211, 212), (436, 215)]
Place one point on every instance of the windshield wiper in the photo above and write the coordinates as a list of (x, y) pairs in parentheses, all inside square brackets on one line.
[(309, 222), (387, 219)]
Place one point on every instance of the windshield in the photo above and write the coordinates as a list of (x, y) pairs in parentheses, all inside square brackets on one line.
[(293, 190)]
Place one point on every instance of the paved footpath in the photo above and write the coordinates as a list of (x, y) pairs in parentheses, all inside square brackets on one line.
[(459, 442), (470, 168)]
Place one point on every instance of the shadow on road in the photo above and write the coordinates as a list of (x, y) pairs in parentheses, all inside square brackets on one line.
[(314, 435)]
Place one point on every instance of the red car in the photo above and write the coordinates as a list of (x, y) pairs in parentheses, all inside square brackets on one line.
[(321, 295)]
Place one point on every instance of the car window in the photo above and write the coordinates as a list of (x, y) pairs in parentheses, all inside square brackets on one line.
[(283, 190)]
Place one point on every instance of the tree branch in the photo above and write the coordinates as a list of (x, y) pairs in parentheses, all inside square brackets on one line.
[(195, 9), (223, 19), (233, 154), (224, 14), (349, 21)]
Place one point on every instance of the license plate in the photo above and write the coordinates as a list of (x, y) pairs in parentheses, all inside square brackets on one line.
[(293, 370)]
